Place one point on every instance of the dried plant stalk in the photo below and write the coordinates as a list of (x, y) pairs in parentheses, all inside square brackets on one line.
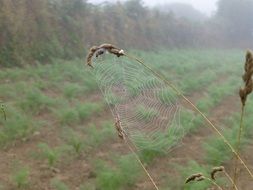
[(244, 92)]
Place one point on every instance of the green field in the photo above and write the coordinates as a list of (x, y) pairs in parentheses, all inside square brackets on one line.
[(59, 133)]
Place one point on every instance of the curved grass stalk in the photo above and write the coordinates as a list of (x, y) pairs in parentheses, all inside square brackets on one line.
[(195, 108)]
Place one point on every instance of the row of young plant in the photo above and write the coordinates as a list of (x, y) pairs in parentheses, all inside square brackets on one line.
[(55, 90), (47, 83), (75, 143), (50, 96)]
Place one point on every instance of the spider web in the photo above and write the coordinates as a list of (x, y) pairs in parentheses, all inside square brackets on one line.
[(150, 112)]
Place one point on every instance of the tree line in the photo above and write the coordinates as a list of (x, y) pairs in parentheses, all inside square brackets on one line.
[(37, 31)]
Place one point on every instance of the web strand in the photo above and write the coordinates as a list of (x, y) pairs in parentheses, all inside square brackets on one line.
[(149, 111)]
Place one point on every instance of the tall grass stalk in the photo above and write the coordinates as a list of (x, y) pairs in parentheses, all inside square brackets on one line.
[(238, 145), (244, 92)]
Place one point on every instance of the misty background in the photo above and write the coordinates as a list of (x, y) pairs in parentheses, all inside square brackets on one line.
[(207, 7), (40, 30)]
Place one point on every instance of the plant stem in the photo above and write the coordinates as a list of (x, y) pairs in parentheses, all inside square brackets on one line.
[(230, 179), (196, 109), (214, 183), (141, 164), (238, 145)]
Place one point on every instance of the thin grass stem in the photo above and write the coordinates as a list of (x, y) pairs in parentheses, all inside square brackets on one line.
[(238, 145), (231, 180), (214, 183), (141, 164)]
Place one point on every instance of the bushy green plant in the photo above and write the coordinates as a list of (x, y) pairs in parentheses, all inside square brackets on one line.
[(217, 152), (71, 90), (205, 104), (123, 175), (58, 185), (36, 102), (21, 177), (75, 141), (68, 116), (87, 109), (17, 126), (98, 135), (51, 154)]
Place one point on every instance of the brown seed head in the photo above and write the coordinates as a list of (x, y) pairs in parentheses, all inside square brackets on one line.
[(90, 55), (195, 177), (99, 50), (201, 178), (216, 170), (247, 78)]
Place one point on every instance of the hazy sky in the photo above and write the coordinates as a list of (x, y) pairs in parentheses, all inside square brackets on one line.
[(206, 6)]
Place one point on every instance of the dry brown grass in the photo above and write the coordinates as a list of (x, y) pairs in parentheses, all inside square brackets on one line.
[(99, 50)]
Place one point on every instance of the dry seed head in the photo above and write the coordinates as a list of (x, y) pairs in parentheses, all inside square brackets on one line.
[(90, 55), (119, 128), (201, 178), (247, 78), (195, 177), (216, 170), (99, 50)]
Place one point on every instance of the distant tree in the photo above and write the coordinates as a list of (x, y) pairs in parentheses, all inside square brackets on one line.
[(182, 10), (236, 16)]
